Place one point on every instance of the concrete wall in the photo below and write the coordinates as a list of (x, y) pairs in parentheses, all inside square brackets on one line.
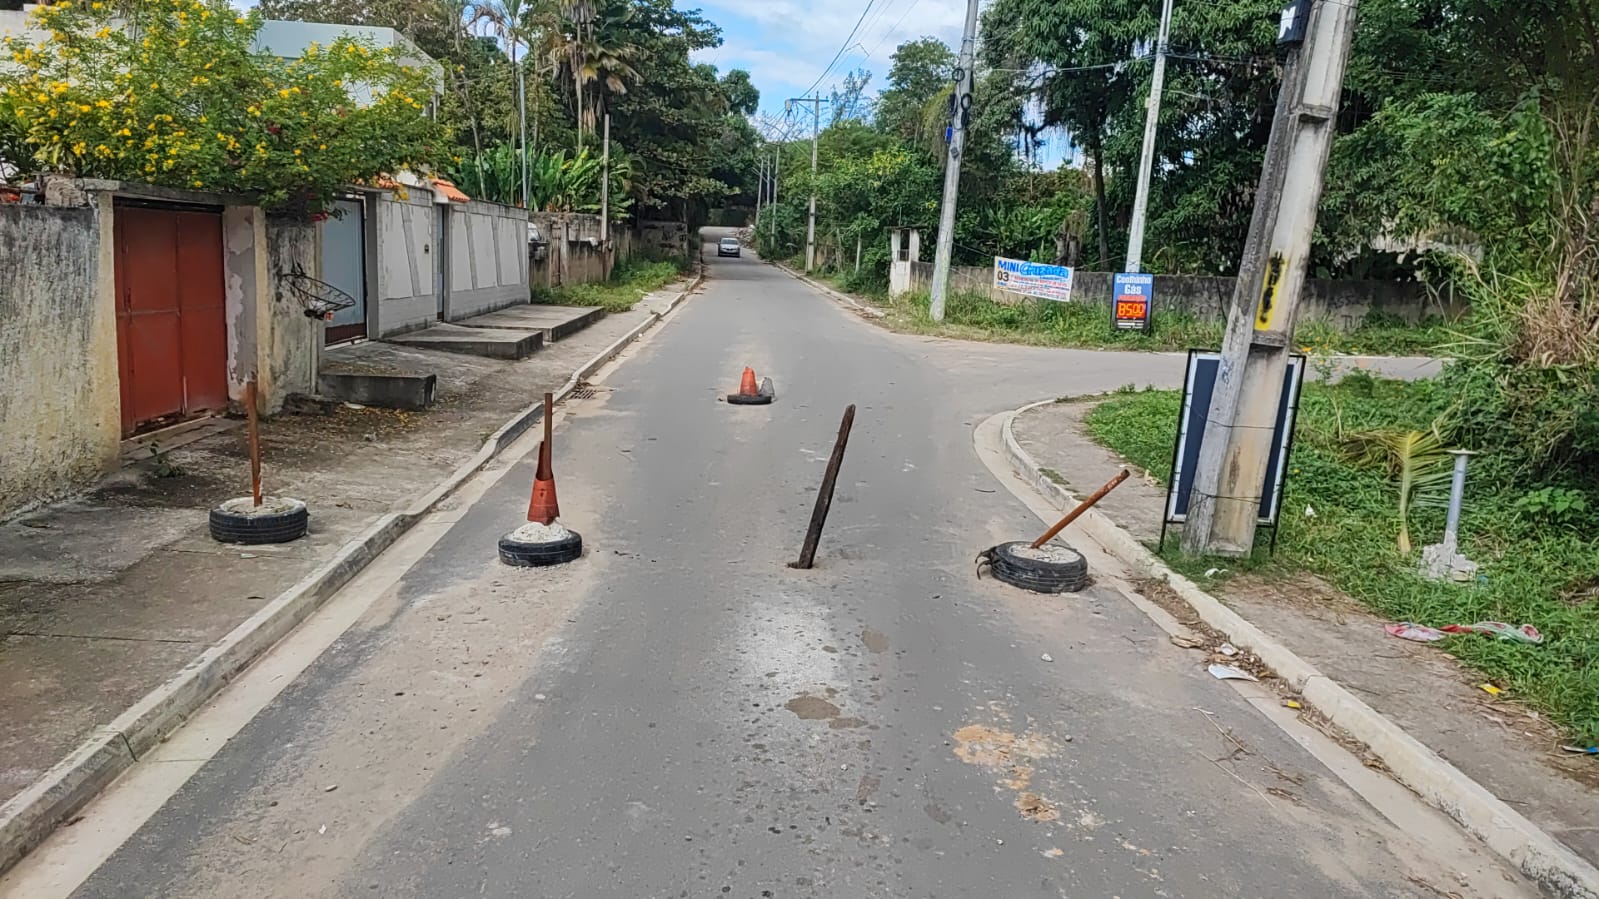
[(656, 238), (404, 298), (14, 23), (60, 407), (488, 264), (573, 253), (292, 353), (60, 389), (1343, 304)]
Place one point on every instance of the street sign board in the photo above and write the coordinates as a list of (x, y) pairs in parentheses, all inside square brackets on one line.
[(1034, 279), (1198, 387), (1132, 301)]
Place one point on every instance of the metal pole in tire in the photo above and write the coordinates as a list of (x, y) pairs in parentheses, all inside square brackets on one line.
[(824, 497), (1081, 507), (254, 433)]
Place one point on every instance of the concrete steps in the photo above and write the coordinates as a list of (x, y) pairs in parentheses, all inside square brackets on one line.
[(495, 343), (557, 322), (386, 373)]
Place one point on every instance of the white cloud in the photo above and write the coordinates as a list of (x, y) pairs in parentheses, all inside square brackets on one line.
[(786, 44)]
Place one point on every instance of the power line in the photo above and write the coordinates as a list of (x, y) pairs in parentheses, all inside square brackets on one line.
[(842, 47), (890, 31)]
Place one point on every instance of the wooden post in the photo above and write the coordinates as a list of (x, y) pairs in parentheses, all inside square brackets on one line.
[(824, 497), (254, 439)]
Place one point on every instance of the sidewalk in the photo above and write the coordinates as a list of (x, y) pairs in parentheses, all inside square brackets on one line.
[(107, 597), (1507, 749)]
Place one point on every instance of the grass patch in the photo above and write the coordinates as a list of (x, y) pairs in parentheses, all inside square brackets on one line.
[(1539, 566), (630, 282), (1086, 325)]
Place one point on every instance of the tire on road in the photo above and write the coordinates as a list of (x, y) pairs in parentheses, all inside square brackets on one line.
[(1056, 569), (279, 520), (537, 555)]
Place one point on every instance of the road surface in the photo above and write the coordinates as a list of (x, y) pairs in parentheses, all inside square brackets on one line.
[(679, 714)]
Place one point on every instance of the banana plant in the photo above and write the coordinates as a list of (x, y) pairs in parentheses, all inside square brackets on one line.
[(1417, 464)]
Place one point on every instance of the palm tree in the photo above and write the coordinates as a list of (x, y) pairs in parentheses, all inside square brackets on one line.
[(587, 49), (516, 23)]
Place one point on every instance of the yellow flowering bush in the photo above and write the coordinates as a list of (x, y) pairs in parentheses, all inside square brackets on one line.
[(169, 92)]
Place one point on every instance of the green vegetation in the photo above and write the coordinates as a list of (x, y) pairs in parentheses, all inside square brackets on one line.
[(1540, 560), (630, 282), (172, 94), (973, 316)]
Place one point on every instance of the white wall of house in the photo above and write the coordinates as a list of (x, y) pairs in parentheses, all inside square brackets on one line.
[(487, 258), (406, 296)]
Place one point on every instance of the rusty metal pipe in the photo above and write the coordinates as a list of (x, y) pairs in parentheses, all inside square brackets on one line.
[(1081, 508), (254, 437)]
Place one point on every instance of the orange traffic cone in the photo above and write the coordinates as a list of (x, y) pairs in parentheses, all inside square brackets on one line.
[(746, 386), (542, 507)]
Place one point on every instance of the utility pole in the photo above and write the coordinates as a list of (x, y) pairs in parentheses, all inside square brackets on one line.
[(605, 185), (816, 102), (777, 157), (1225, 498), (760, 190), (1146, 162), (810, 227), (521, 119), (960, 109)]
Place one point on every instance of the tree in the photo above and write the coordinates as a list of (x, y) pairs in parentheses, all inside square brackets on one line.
[(847, 100), (919, 70), (172, 94), (672, 116), (742, 97), (592, 49)]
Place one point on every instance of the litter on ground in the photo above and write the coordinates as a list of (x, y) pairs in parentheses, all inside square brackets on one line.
[(1229, 672)]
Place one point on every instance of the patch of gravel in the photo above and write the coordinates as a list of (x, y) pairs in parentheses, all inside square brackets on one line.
[(533, 532), (1045, 553), (270, 505)]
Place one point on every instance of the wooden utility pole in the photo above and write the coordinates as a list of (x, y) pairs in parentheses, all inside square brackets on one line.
[(1225, 499)]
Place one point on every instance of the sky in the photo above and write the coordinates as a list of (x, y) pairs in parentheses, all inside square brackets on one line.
[(786, 45)]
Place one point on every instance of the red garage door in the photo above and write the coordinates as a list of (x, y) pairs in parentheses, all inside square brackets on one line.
[(172, 343)]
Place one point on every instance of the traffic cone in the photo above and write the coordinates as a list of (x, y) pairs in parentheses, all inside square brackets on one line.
[(542, 507), (746, 386)]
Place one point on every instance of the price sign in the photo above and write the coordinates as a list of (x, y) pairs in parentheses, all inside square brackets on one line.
[(1132, 301)]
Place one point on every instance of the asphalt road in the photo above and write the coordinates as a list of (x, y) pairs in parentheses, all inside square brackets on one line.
[(680, 714)]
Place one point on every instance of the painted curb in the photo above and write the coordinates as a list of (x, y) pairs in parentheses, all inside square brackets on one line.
[(1533, 852), (837, 295), (29, 817)]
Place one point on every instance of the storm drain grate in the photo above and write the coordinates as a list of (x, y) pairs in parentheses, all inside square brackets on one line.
[(584, 393)]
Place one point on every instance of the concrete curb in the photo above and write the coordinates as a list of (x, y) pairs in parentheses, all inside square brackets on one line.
[(30, 816), (844, 298), (1535, 853)]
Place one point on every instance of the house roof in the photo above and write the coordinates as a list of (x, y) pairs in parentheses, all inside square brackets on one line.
[(450, 191)]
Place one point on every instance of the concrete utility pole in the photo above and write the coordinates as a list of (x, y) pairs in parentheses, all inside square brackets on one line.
[(777, 157), (1146, 162), (1225, 498), (605, 185), (952, 167), (521, 120), (760, 190), (816, 102)]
